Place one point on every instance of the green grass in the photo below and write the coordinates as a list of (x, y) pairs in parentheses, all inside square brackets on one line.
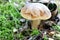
[(9, 19)]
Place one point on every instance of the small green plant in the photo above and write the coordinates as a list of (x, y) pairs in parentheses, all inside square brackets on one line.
[(35, 32)]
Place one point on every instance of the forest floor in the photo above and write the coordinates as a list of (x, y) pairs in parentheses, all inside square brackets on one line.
[(10, 24)]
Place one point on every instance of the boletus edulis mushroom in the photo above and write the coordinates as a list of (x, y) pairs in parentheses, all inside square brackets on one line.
[(35, 12)]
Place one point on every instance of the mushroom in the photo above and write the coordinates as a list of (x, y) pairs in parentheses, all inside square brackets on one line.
[(35, 12)]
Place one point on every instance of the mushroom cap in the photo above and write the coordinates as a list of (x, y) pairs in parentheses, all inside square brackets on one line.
[(35, 11)]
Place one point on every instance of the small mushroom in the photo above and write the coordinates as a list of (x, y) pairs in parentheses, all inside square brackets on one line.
[(35, 12)]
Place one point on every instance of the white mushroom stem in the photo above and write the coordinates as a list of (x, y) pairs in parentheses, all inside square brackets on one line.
[(35, 24)]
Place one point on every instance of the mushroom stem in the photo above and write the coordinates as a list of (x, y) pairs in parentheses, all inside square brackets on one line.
[(35, 24)]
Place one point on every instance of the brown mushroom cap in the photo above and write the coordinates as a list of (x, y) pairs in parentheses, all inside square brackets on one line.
[(35, 11)]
